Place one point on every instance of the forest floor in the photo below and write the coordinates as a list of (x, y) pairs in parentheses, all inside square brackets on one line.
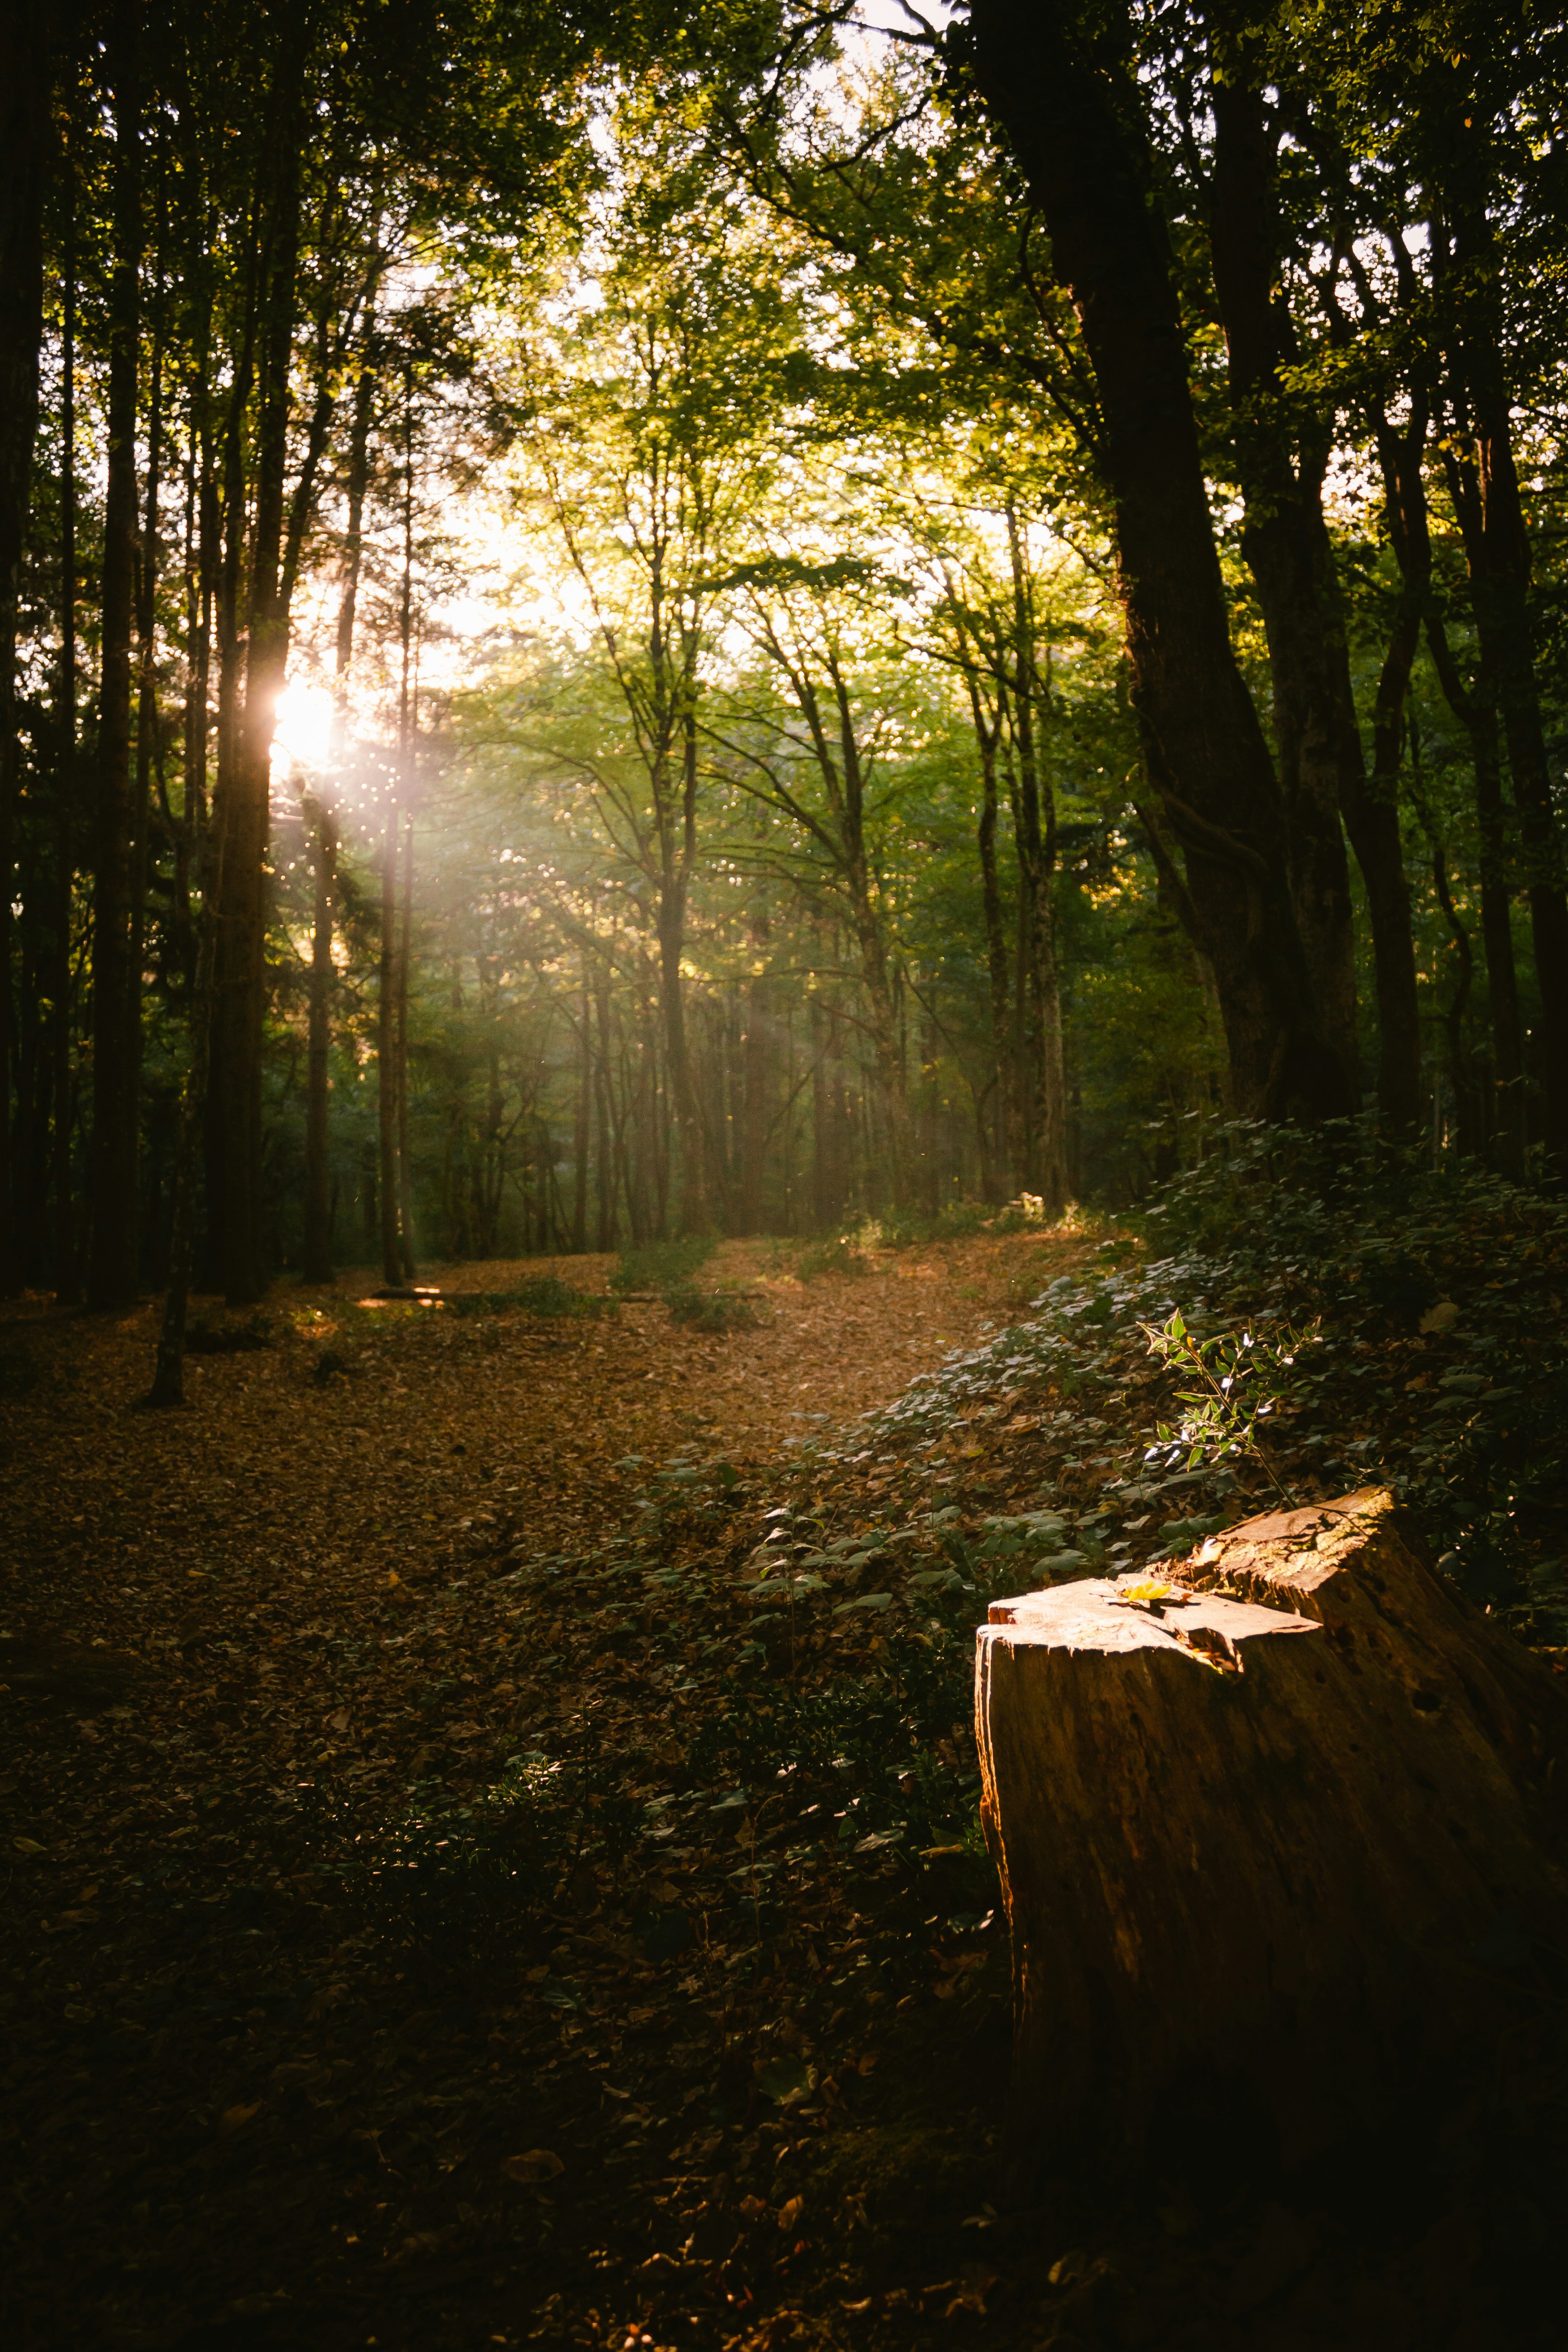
[(412, 1937)]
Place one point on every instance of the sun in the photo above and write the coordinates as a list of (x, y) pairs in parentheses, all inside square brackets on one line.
[(305, 727)]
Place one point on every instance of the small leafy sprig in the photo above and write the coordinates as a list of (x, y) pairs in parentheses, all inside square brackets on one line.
[(1237, 1380)]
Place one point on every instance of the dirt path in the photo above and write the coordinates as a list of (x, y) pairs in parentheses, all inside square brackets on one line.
[(280, 1482), (226, 2121)]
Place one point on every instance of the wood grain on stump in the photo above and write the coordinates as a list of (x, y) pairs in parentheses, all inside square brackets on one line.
[(1274, 1839)]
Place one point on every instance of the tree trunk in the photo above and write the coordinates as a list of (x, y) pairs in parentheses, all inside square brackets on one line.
[(405, 950), (317, 1257), (169, 1367), (1470, 1136), (1372, 819), (148, 752), (386, 1056), (112, 1269), (1005, 1157), (1288, 552), (678, 851), (583, 1118), (67, 1290), (1035, 827), (243, 1008), (318, 1253), (25, 93), (1228, 1820), (1401, 453), (1473, 709), (1496, 552), (1070, 106), (757, 1065), (605, 1160)]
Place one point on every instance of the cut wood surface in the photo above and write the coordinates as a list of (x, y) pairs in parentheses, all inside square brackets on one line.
[(1272, 1824)]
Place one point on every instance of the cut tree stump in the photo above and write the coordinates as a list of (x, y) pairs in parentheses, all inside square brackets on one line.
[(1275, 1840)]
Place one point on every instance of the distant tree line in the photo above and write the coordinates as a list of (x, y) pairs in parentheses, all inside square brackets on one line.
[(1038, 626)]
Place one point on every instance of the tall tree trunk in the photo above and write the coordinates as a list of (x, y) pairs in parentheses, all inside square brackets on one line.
[(231, 501), (404, 952), (317, 1263), (1401, 453), (605, 1162), (25, 79), (386, 1054), (582, 1124), (392, 1028), (317, 1255), (168, 1374), (111, 1271), (1497, 551), (148, 750), (1474, 707), (1287, 550), (245, 848), (678, 851), (756, 1064), (1037, 843), (1454, 1011), (1003, 1159), (824, 1200), (66, 1287), (1065, 94)]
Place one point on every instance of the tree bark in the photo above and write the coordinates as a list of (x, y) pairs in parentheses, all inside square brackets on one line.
[(1474, 707), (317, 1255), (678, 856), (757, 1065), (986, 731), (67, 1289), (316, 1261), (148, 751), (169, 1366), (112, 1268), (1401, 453), (1227, 1822), (1069, 105), (582, 1124), (386, 1056), (404, 952), (1496, 552), (242, 1005), (1044, 1081), (1284, 538), (24, 90), (604, 1158)]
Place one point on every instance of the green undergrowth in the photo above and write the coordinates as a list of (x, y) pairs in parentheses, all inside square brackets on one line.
[(661, 1265), (727, 1308), (544, 1294), (671, 1269), (1408, 1327)]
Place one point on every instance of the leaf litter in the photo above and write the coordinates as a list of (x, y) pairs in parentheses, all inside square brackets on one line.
[(496, 1852)]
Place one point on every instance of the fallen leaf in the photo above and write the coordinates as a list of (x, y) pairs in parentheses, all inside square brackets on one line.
[(232, 2117), (538, 2164)]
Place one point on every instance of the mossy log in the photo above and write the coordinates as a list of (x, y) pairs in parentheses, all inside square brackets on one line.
[(1277, 1832)]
